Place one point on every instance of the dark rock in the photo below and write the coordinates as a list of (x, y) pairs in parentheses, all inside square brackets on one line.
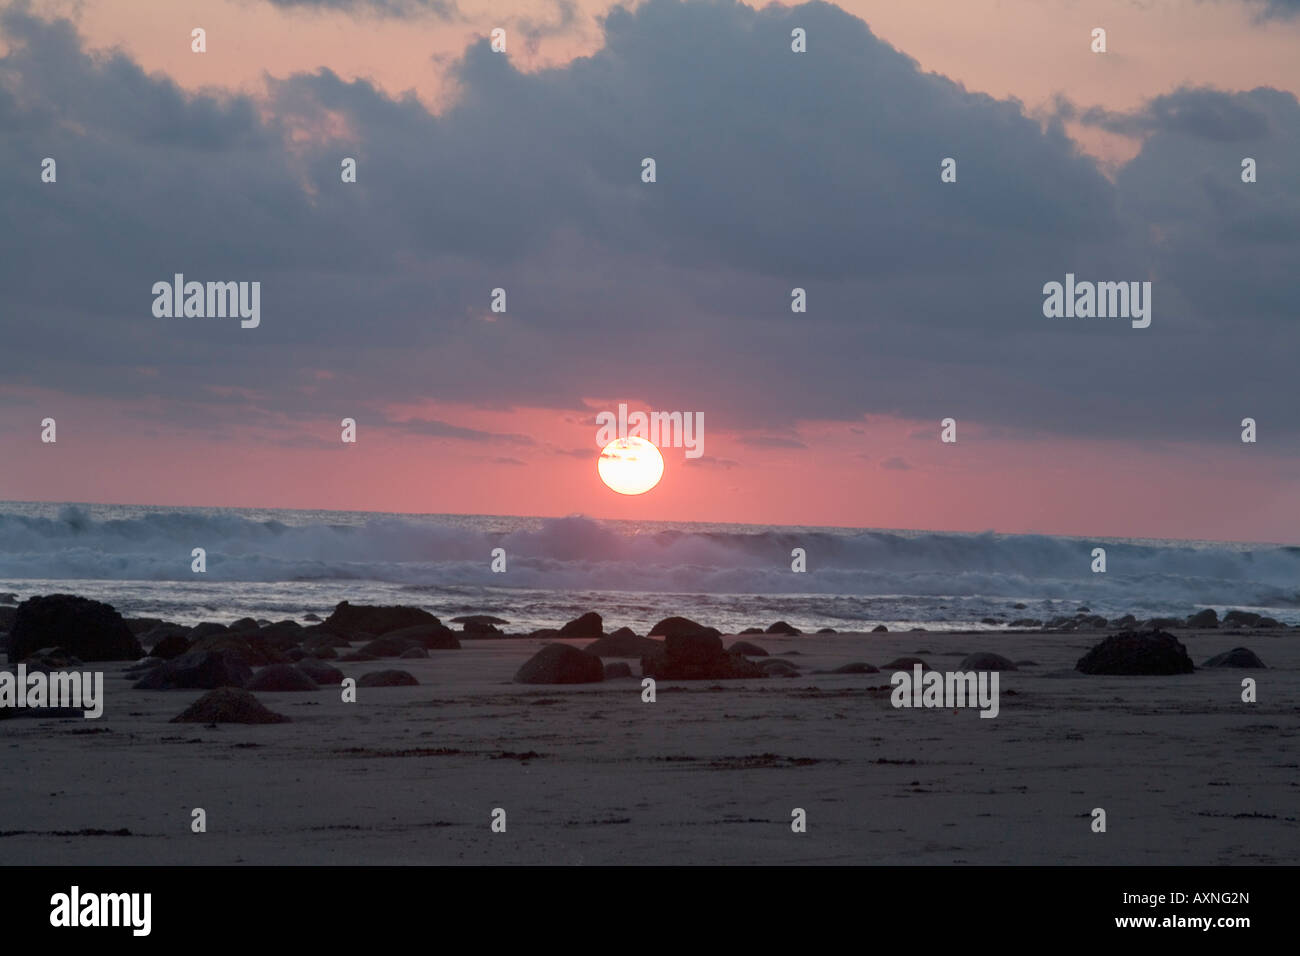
[(171, 646), (1125, 623), (1018, 606), (387, 679), (243, 624), (281, 677), (751, 630), (48, 659), (990, 620), (1159, 624), (625, 645), (681, 626), (411, 653), (151, 637), (432, 637), (202, 670), (295, 654), (481, 629), (544, 634), (1026, 622), (561, 664), (388, 646), (781, 627), (323, 674), (698, 656), (775, 667), (589, 625), (311, 617), (748, 649), (228, 705), (1207, 618), (1240, 619), (248, 646), (90, 630), (905, 664), (1083, 609), (357, 656), (348, 618), (321, 653), (8, 597), (1094, 622), (478, 619), (985, 661), (826, 630), (206, 629), (1237, 657), (318, 635), (1269, 622), (857, 667), (282, 634), (139, 626), (1137, 652), (880, 629), (618, 670)]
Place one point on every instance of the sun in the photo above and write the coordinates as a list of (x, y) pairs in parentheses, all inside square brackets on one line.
[(630, 466)]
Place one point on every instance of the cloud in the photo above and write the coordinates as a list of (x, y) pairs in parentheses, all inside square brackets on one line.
[(775, 170), (895, 464), (440, 429), (771, 441), (442, 9)]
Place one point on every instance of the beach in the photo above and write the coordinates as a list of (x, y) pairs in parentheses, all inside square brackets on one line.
[(709, 773)]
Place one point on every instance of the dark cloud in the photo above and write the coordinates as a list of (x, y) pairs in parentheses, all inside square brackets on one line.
[(771, 441), (442, 9), (895, 464), (775, 170), (437, 429)]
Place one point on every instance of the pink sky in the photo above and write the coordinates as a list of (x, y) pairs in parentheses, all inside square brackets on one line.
[(883, 472)]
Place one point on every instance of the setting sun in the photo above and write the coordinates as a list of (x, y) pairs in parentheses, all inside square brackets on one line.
[(630, 466)]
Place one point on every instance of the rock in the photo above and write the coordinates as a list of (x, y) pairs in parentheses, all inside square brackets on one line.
[(751, 630), (200, 631), (561, 664), (204, 670), (8, 597), (478, 619), (243, 624), (827, 630), (905, 664), (617, 670), (774, 667), (248, 646), (1158, 624), (698, 656), (1083, 609), (1269, 622), (391, 678), (985, 661), (781, 627), (282, 635), (320, 636), (544, 634), (281, 677), (348, 618), (1018, 606), (990, 620), (880, 629), (1207, 618), (228, 705), (623, 645), (589, 625), (48, 659), (321, 653), (141, 625), (748, 649), (311, 617), (432, 637), (1026, 622), (295, 654), (411, 653), (681, 626), (154, 635), (357, 657), (481, 629), (857, 667), (1093, 622), (1125, 623), (171, 646), (388, 646), (1240, 619), (90, 630), (1237, 657), (1137, 652), (325, 675)]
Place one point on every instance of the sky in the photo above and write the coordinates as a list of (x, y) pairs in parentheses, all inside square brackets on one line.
[(775, 170)]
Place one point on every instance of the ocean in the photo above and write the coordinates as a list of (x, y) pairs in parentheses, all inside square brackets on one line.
[(277, 564)]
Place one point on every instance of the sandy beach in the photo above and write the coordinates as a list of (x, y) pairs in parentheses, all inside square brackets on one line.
[(707, 774)]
